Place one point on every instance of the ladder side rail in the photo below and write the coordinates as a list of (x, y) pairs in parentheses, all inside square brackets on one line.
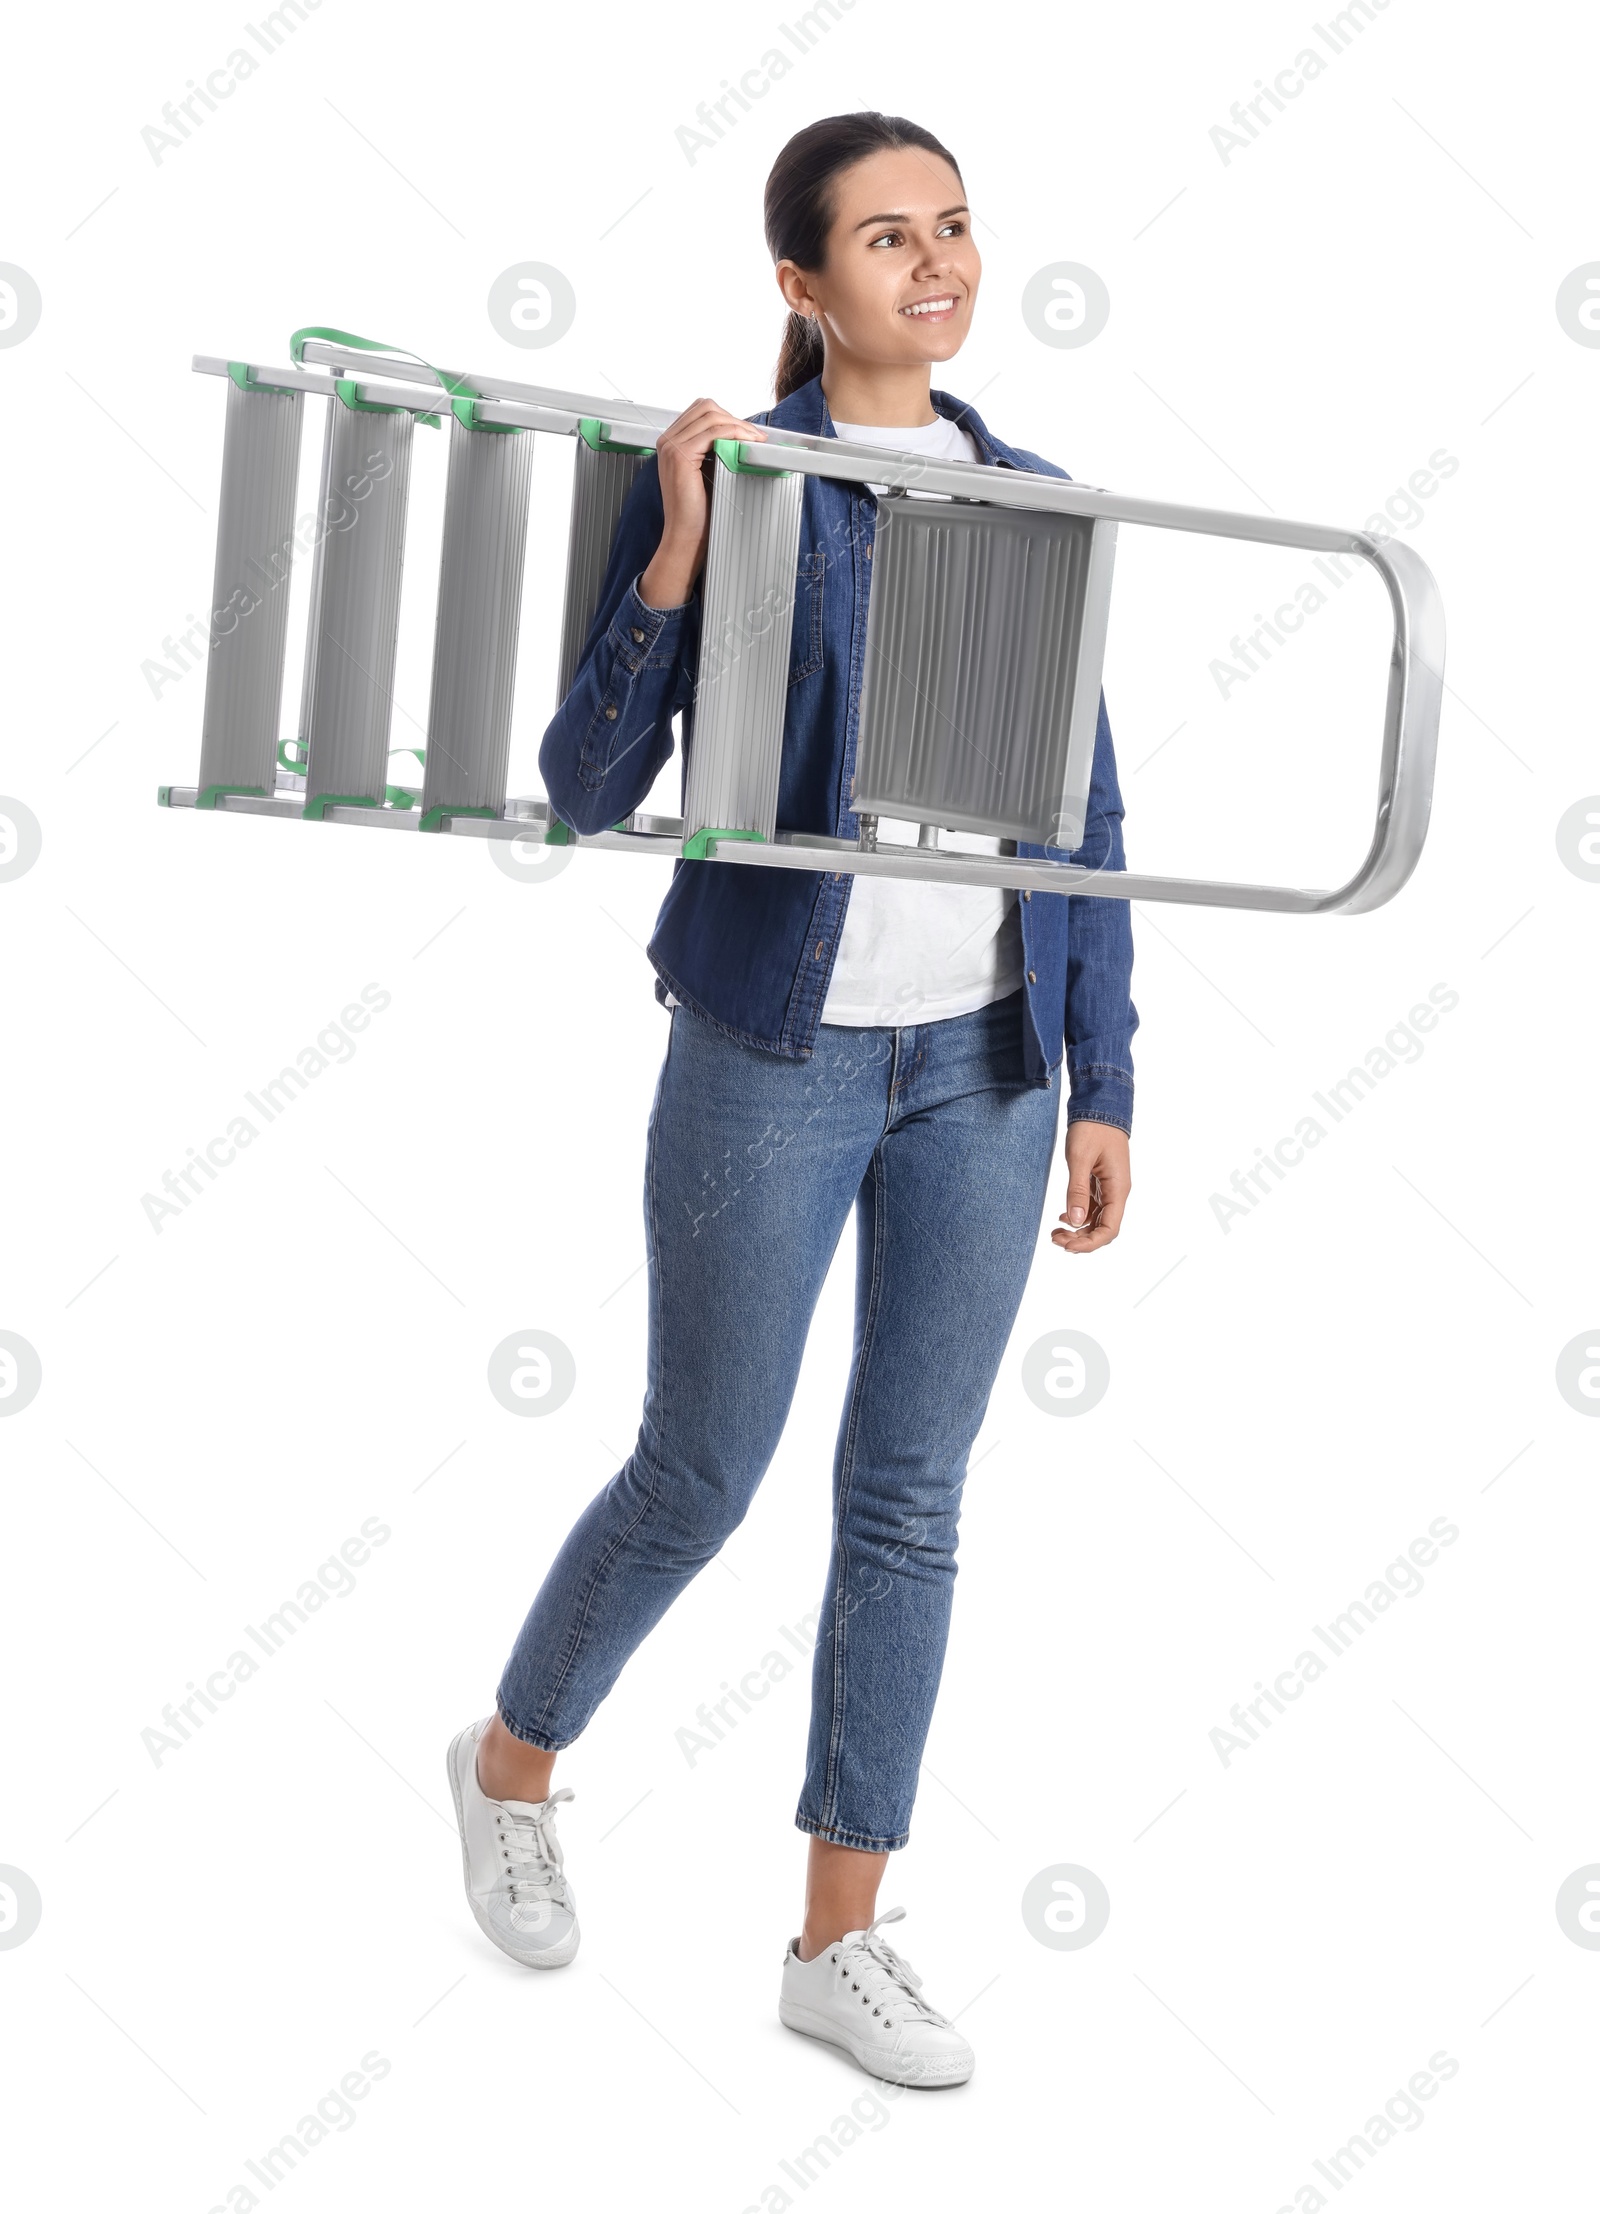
[(814, 455), (417, 399), (490, 384), (1410, 730)]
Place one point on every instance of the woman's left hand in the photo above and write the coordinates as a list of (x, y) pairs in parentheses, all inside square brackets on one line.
[(1098, 1184)]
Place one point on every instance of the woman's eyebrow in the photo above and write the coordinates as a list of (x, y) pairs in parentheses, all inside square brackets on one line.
[(900, 216)]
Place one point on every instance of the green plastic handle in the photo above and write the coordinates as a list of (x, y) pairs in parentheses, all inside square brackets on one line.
[(463, 395)]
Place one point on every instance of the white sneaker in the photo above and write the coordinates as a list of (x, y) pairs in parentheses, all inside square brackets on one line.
[(860, 1995), (511, 1863)]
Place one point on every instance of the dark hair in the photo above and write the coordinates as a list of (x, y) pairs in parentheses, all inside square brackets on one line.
[(799, 211)]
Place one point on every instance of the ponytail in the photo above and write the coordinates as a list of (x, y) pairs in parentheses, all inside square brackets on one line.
[(799, 357)]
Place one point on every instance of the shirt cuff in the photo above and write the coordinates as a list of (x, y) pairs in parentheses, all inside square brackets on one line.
[(1102, 1094), (637, 628)]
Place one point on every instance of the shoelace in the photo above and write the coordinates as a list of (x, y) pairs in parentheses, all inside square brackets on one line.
[(871, 1961), (532, 1851)]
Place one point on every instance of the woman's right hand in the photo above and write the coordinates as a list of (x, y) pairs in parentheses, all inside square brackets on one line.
[(681, 454)]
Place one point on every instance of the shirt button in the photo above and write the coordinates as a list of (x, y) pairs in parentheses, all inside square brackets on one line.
[(869, 549), (1032, 977), (638, 637), (821, 950), (611, 714), (1027, 895)]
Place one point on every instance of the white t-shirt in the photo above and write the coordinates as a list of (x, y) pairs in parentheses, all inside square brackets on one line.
[(914, 952)]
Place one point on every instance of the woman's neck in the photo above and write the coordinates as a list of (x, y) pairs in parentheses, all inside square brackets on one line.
[(878, 392)]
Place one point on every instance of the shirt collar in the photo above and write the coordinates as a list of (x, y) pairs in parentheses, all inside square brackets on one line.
[(806, 409)]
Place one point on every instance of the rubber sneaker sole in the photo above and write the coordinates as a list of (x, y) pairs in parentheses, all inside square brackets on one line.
[(906, 2068)]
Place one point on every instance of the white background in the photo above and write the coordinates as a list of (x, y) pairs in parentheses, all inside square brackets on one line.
[(1292, 1400)]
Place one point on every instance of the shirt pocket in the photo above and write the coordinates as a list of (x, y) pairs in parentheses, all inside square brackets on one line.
[(805, 639)]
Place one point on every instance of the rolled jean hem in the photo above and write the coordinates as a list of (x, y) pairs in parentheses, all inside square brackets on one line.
[(540, 1739), (833, 1835)]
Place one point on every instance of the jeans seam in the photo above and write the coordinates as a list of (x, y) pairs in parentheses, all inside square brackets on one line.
[(832, 1834), (846, 1472), (597, 1573), (522, 1735)]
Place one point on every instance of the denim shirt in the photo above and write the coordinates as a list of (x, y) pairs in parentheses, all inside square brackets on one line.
[(752, 949)]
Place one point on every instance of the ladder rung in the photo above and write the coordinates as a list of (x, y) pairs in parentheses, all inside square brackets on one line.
[(600, 484), (348, 692), (741, 684), (475, 635), (249, 595)]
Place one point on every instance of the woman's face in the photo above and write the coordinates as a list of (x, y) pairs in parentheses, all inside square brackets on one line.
[(902, 269)]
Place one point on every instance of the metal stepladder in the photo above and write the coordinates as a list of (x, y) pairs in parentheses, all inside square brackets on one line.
[(986, 635)]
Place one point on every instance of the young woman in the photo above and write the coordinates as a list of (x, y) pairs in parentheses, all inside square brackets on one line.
[(837, 1043)]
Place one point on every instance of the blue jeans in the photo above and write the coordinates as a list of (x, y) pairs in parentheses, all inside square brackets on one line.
[(937, 1139)]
